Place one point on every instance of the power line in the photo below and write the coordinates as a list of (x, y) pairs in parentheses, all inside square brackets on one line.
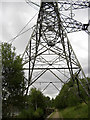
[(32, 4), (20, 33)]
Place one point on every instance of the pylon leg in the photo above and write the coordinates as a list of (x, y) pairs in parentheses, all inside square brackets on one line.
[(49, 50)]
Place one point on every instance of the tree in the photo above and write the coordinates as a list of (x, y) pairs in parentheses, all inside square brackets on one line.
[(47, 102), (13, 84), (35, 108), (70, 95), (36, 99)]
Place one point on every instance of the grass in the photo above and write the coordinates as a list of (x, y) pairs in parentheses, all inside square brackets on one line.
[(79, 111), (51, 115)]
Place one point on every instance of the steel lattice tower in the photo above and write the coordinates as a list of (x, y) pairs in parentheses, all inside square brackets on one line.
[(49, 49)]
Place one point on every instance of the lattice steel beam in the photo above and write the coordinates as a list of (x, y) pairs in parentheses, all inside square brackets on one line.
[(65, 5), (49, 49), (73, 4)]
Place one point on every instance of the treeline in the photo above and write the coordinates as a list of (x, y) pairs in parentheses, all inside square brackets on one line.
[(13, 83)]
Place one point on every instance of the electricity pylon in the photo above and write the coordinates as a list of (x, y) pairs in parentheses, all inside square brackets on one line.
[(49, 49)]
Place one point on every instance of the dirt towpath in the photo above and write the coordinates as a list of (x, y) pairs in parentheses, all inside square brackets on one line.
[(56, 114)]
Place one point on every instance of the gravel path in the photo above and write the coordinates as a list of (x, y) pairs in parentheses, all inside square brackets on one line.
[(56, 115)]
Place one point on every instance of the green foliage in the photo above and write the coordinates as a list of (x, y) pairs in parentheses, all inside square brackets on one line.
[(31, 114), (83, 93), (38, 113), (26, 113), (48, 103), (79, 111), (35, 105), (12, 71), (69, 95), (52, 101), (13, 83), (36, 99)]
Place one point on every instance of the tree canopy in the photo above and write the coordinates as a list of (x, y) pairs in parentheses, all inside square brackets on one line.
[(36, 104), (36, 99), (13, 83), (70, 96)]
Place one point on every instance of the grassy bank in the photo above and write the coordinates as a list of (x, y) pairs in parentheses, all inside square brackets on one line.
[(79, 111), (51, 115)]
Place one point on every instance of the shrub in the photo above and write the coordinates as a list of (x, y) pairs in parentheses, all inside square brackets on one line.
[(38, 113), (26, 114)]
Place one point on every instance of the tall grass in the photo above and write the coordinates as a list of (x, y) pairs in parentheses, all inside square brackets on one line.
[(79, 111)]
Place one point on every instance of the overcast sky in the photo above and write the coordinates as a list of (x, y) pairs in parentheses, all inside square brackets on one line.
[(14, 16)]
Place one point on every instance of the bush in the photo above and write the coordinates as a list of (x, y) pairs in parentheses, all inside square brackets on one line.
[(31, 114), (26, 114), (67, 97), (38, 113)]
